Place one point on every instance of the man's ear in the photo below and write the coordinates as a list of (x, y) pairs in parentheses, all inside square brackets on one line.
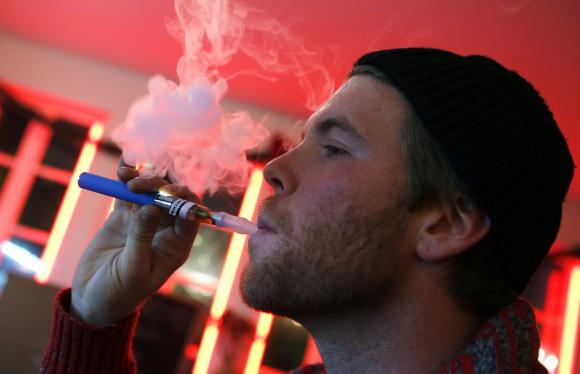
[(450, 229)]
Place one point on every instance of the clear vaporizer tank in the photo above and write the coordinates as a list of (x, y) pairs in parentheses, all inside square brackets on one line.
[(191, 211)]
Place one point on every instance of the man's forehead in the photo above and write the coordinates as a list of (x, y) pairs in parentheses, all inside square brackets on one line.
[(340, 124), (362, 103)]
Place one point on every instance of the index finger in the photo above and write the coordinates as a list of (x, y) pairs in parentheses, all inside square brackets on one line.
[(125, 173)]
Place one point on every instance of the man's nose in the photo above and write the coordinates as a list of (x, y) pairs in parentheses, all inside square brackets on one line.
[(280, 175)]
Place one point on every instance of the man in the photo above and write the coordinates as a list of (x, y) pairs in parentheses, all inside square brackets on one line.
[(401, 230)]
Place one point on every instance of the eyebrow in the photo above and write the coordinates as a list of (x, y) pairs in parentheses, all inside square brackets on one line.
[(338, 123)]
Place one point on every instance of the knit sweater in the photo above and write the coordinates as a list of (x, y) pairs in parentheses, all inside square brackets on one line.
[(507, 343)]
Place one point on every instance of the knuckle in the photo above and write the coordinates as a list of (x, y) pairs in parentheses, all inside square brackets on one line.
[(141, 233), (140, 183), (145, 224), (124, 169), (125, 174)]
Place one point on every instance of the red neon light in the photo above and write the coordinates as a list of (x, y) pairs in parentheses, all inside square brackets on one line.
[(311, 354), (69, 202), (191, 351), (21, 177), (6, 160), (44, 171), (550, 317), (55, 174), (75, 112), (210, 335), (570, 328), (259, 344), (228, 274), (231, 264), (31, 234), (255, 356)]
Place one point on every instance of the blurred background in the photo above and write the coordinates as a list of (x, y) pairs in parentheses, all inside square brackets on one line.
[(69, 71)]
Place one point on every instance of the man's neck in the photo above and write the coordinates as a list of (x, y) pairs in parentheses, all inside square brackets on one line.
[(416, 333)]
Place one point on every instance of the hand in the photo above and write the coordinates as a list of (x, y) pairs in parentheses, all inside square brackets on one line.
[(132, 255)]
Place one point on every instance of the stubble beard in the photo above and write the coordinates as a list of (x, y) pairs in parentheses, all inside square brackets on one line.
[(328, 266)]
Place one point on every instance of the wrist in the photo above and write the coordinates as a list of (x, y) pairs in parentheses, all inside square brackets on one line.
[(97, 318), (80, 314)]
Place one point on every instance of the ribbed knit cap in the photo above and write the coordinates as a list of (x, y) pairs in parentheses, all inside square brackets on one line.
[(501, 140)]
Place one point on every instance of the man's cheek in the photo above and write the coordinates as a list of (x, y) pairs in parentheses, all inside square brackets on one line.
[(326, 195)]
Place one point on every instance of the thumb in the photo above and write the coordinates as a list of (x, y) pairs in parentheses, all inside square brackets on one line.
[(140, 236)]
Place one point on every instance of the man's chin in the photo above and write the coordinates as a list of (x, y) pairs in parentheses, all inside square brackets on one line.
[(258, 288), (268, 291), (252, 298)]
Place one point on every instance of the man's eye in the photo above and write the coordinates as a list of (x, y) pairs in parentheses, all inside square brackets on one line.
[(331, 150)]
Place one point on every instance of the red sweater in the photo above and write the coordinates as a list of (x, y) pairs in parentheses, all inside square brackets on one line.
[(507, 343), (76, 347)]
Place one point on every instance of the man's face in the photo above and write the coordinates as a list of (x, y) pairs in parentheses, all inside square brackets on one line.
[(333, 236)]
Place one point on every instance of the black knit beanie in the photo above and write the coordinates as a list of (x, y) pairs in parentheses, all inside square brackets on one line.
[(501, 140)]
